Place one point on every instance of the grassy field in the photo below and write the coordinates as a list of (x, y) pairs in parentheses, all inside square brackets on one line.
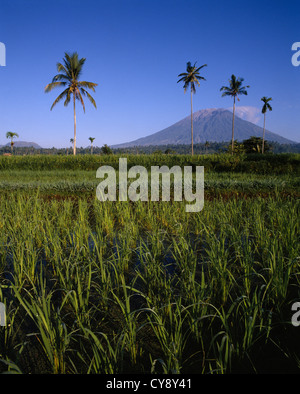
[(144, 287)]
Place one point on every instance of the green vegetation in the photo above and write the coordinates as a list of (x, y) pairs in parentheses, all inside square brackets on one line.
[(92, 139), (106, 150), (255, 145), (10, 135), (234, 89), (267, 164), (190, 78), (210, 148), (69, 72), (93, 287)]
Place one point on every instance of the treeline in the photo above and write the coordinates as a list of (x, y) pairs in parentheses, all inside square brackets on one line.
[(205, 148), (247, 146), (268, 163)]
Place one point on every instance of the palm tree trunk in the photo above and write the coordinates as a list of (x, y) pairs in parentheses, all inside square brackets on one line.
[(192, 137), (263, 141), (232, 137), (74, 142), (11, 146)]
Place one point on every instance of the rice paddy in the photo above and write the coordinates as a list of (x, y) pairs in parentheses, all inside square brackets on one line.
[(145, 287)]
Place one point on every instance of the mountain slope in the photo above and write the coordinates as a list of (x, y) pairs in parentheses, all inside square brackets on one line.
[(213, 125), (24, 144)]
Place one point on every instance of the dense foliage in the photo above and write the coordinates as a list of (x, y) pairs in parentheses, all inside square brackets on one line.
[(145, 287), (253, 163), (205, 148)]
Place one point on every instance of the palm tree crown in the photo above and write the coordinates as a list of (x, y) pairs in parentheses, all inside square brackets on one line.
[(11, 135), (266, 105), (234, 89), (190, 78), (92, 140), (69, 73)]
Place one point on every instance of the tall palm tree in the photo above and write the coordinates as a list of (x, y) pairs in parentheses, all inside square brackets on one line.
[(234, 89), (10, 135), (72, 142), (264, 110), (69, 72), (190, 78), (92, 140)]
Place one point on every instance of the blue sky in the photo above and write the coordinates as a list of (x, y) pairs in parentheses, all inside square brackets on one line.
[(135, 50)]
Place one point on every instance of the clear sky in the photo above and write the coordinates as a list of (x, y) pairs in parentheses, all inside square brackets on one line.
[(135, 50)]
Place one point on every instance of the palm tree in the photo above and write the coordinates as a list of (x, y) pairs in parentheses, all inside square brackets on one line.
[(234, 89), (69, 72), (206, 146), (264, 110), (72, 142), (190, 77), (92, 140), (11, 136)]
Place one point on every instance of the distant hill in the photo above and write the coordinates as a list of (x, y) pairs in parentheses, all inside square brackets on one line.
[(213, 125), (23, 144)]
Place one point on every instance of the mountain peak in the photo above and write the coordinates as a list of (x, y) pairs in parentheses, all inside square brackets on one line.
[(203, 113), (212, 124)]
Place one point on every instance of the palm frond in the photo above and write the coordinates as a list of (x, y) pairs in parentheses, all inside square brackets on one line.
[(11, 135), (53, 85), (59, 98), (79, 97), (68, 98), (266, 105), (89, 85), (85, 93), (61, 68), (199, 68), (61, 77)]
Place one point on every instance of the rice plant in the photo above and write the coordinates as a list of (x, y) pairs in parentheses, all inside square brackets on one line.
[(95, 287)]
